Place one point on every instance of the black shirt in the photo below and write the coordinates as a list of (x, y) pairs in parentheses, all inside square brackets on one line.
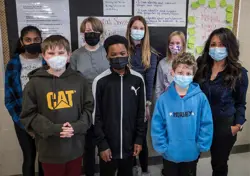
[(225, 101)]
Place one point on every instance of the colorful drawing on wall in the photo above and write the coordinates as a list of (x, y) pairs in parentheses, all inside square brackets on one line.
[(204, 16)]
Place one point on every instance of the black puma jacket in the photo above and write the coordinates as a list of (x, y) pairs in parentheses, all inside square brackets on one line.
[(119, 112)]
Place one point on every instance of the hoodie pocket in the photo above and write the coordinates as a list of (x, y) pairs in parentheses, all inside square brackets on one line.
[(182, 150)]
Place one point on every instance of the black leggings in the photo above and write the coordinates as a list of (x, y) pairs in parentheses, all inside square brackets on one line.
[(89, 154), (143, 156), (223, 142), (27, 144)]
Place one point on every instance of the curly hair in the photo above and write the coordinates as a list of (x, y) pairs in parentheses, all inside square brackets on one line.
[(232, 71), (187, 59)]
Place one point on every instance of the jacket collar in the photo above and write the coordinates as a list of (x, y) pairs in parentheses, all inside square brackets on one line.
[(127, 71)]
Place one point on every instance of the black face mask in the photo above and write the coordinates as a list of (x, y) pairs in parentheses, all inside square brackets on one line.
[(33, 48), (92, 38), (118, 63)]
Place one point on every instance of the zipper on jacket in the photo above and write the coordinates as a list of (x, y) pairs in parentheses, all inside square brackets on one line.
[(121, 124)]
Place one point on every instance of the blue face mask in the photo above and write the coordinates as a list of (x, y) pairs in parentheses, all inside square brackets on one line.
[(137, 34), (218, 54), (183, 81)]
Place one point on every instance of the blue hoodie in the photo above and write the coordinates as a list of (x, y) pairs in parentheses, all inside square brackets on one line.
[(181, 128)]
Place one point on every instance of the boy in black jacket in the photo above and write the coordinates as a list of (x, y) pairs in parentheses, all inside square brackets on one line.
[(119, 111)]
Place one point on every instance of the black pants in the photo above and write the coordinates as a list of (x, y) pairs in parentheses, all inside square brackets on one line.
[(223, 142), (143, 156), (123, 166), (180, 169), (28, 147), (89, 154)]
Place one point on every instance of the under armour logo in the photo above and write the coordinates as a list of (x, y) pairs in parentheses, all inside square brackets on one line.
[(133, 88)]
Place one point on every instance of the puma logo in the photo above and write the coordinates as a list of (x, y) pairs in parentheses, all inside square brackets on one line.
[(133, 88)]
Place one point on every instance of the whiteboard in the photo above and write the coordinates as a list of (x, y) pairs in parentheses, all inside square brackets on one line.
[(50, 16), (161, 13)]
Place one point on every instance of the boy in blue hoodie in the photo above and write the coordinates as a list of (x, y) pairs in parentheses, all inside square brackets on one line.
[(182, 125)]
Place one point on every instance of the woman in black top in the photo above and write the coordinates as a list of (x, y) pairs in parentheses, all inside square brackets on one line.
[(224, 81)]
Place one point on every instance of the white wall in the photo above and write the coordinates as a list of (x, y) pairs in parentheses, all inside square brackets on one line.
[(10, 153), (244, 38)]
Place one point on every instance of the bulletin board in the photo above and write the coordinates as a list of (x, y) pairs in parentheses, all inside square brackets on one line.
[(4, 31), (77, 8), (204, 16)]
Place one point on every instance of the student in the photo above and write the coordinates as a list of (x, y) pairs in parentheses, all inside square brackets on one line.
[(182, 124), (225, 82), (119, 111), (143, 60), (57, 109), (176, 45), (27, 58), (91, 61)]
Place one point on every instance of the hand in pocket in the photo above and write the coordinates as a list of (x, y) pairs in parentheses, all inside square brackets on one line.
[(234, 130)]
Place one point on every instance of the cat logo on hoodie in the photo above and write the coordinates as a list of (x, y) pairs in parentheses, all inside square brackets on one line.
[(60, 100)]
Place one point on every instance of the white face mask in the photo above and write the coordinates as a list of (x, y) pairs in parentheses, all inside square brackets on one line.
[(57, 63)]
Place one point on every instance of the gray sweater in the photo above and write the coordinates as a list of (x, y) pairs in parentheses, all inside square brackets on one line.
[(89, 63), (164, 77)]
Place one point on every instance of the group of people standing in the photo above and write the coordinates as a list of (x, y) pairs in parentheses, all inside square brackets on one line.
[(64, 105)]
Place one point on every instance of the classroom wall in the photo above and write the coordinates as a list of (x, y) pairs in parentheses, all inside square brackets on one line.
[(10, 152), (244, 36)]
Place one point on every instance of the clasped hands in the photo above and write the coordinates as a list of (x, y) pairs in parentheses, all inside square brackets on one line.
[(67, 131)]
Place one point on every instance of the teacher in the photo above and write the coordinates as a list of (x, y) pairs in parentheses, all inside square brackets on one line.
[(224, 81)]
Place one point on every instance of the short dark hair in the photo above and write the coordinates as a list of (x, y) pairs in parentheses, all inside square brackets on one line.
[(25, 31), (115, 39)]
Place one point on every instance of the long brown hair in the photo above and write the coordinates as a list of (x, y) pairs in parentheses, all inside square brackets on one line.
[(146, 49), (232, 71)]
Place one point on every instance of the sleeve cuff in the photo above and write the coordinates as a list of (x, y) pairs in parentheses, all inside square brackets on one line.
[(240, 121), (103, 146), (20, 124), (201, 149), (82, 129), (139, 140), (57, 129)]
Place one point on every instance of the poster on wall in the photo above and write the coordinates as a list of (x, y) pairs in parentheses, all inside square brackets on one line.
[(50, 16), (205, 16), (117, 7), (162, 12), (111, 25)]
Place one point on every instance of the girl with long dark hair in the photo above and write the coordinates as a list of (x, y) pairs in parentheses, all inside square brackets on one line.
[(26, 59)]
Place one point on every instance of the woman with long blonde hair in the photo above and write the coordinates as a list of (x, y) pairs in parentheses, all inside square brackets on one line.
[(143, 59)]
